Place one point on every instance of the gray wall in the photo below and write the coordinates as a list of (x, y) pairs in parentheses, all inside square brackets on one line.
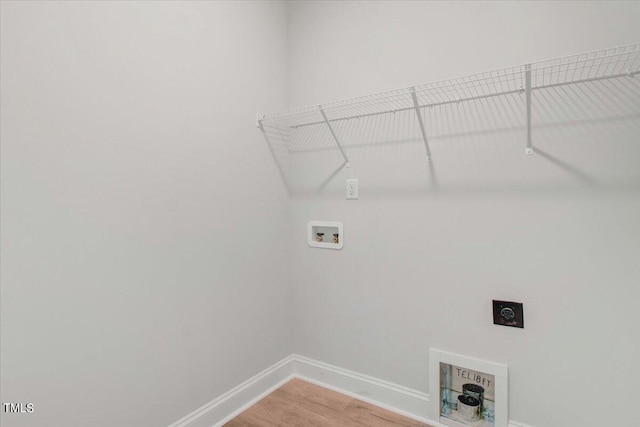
[(145, 260), (427, 247), (144, 269)]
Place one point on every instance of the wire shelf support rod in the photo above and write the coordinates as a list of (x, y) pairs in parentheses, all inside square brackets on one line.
[(527, 81), (333, 134), (416, 106)]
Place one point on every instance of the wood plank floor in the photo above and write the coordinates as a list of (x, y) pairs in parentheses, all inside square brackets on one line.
[(299, 403)]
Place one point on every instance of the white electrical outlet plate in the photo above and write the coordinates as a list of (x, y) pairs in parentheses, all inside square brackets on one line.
[(352, 189)]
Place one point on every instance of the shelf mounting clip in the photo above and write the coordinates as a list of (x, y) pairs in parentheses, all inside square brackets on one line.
[(416, 107), (333, 134)]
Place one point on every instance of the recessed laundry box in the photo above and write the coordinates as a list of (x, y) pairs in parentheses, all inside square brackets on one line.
[(325, 234)]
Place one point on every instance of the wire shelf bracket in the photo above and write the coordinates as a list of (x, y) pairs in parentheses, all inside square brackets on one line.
[(527, 81), (260, 126), (416, 106), (335, 138)]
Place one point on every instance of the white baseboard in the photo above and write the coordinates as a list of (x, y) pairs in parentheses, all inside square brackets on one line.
[(405, 401), (393, 397), (225, 407)]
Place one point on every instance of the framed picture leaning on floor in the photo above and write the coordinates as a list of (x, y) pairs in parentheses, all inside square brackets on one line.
[(467, 392)]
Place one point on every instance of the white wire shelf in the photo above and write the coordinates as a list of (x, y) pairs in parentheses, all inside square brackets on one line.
[(617, 62)]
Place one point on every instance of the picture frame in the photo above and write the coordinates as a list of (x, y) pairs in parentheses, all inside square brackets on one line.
[(467, 392)]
